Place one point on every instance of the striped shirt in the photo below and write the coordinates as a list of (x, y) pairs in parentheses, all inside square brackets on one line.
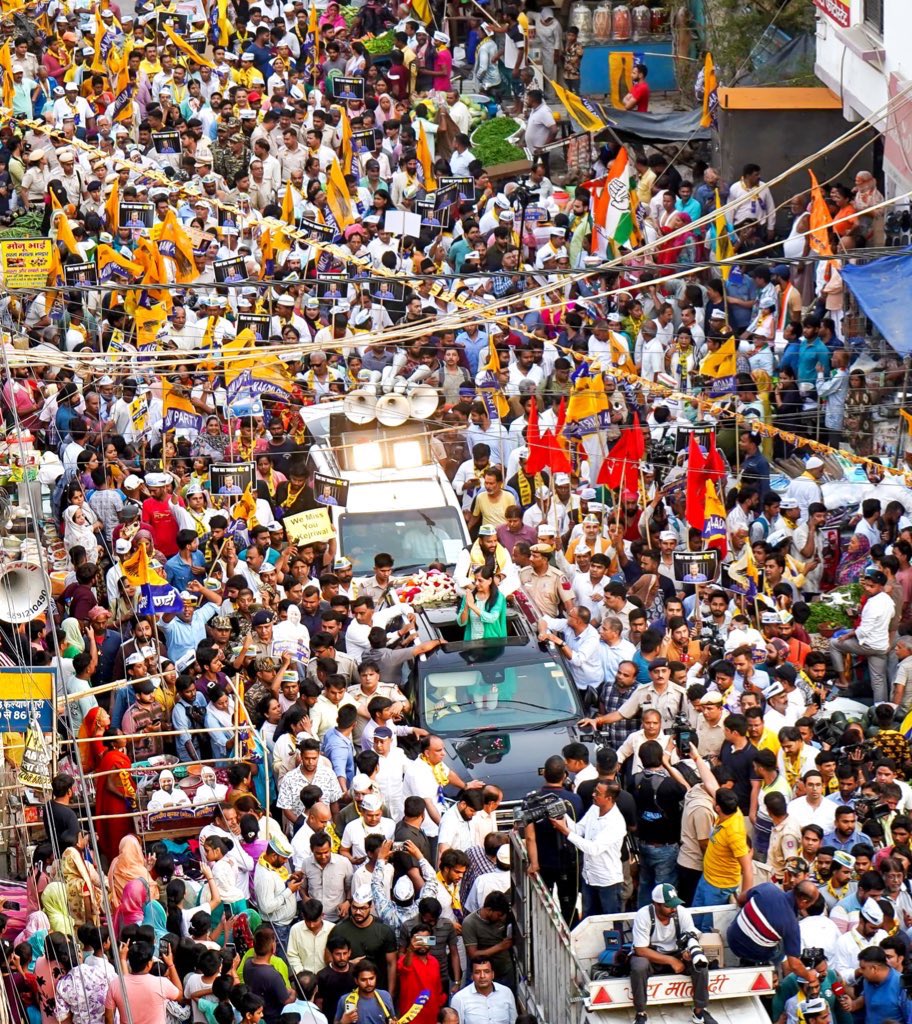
[(767, 919)]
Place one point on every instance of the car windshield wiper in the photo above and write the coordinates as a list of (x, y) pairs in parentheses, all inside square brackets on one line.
[(535, 726)]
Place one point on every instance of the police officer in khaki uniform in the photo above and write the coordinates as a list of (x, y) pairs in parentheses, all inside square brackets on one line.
[(546, 585)]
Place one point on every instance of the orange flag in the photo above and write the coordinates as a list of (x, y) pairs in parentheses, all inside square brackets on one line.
[(821, 220)]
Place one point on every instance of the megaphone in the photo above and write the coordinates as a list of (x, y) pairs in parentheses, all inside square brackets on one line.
[(369, 378), (393, 410), (25, 591), (423, 401), (422, 373), (360, 406), (387, 377)]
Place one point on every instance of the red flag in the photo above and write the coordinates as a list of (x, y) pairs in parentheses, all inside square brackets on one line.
[(715, 465), (637, 442), (614, 468), (558, 459), (538, 451), (694, 509)]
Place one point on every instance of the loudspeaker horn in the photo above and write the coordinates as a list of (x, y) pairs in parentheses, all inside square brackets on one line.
[(360, 406), (423, 401), (393, 410), (422, 373), (25, 591)]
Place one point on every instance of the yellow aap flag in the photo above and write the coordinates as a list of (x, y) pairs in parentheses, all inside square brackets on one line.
[(620, 77), (26, 262), (309, 527)]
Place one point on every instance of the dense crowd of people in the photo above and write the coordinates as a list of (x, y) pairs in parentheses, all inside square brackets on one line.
[(251, 214)]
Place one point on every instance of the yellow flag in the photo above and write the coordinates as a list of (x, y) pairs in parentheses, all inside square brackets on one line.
[(6, 63), (187, 49), (577, 109), (224, 25), (722, 244), (149, 322), (174, 242), (288, 214), (110, 262), (422, 9), (64, 231), (497, 405), (337, 197), (119, 74), (423, 152), (347, 167), (620, 77), (112, 208)]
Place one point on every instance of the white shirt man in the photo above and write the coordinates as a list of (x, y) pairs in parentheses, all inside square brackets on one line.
[(599, 836), (803, 812)]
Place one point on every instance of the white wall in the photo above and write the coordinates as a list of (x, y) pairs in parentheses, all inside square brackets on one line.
[(849, 63)]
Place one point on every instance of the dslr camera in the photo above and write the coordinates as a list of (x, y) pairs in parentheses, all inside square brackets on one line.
[(690, 944)]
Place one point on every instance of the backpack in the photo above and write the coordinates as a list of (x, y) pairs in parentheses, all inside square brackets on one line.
[(614, 960), (646, 794)]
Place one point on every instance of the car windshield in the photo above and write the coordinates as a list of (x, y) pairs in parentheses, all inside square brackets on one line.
[(492, 695), (414, 538)]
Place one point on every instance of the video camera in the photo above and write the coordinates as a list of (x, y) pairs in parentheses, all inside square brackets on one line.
[(867, 809), (537, 807), (713, 641), (812, 956)]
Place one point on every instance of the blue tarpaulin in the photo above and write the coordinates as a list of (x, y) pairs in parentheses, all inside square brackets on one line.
[(882, 289)]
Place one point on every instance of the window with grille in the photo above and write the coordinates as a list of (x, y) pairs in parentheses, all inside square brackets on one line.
[(874, 15)]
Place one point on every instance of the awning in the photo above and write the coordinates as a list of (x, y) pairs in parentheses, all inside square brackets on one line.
[(882, 290), (629, 124)]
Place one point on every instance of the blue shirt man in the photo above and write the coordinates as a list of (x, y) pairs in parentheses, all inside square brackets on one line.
[(179, 573), (337, 745), (740, 287), (188, 713), (884, 996), (812, 352), (184, 633)]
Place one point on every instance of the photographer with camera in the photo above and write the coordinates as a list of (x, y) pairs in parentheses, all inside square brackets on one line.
[(599, 836), (666, 941), (553, 859)]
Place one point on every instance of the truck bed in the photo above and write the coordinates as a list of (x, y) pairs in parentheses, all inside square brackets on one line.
[(724, 1011)]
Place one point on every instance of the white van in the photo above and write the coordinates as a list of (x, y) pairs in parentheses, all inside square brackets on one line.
[(399, 499)]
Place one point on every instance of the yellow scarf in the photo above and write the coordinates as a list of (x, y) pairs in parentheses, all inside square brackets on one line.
[(792, 769), (477, 557), (292, 496), (282, 872)]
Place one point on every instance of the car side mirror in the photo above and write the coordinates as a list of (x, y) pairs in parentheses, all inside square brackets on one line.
[(590, 698)]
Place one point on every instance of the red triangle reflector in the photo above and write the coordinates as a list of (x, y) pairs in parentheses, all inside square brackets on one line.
[(761, 984), (602, 997)]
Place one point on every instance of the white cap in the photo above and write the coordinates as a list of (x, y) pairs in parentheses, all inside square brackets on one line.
[(372, 802), (132, 482), (561, 480), (134, 659), (361, 783), (122, 547), (871, 912), (813, 463), (543, 492)]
